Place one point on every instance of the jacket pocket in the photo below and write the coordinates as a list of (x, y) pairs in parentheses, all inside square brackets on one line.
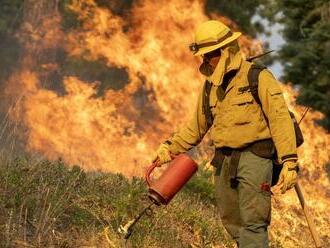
[(275, 91), (242, 100), (243, 109)]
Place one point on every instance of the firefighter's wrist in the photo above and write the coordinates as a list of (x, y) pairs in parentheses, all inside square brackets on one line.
[(290, 157), (291, 165), (296, 169), (174, 147)]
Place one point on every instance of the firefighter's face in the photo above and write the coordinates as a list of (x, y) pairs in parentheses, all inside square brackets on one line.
[(210, 61)]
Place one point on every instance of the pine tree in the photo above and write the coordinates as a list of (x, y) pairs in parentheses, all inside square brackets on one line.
[(306, 53)]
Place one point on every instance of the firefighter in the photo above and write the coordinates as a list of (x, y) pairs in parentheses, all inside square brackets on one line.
[(245, 133)]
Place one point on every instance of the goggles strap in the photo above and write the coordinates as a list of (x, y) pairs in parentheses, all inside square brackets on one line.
[(194, 47)]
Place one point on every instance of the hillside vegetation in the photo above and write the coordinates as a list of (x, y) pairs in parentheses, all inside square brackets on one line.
[(47, 204)]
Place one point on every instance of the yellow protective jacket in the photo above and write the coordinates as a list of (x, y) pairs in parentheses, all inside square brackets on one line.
[(239, 119)]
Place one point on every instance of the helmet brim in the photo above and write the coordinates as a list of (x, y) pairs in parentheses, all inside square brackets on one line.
[(204, 50)]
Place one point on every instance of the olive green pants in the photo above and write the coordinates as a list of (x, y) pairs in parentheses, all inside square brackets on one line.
[(245, 210)]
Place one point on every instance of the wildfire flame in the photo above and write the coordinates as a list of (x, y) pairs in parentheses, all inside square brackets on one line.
[(118, 131)]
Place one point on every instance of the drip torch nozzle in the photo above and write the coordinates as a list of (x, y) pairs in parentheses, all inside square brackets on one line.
[(127, 229)]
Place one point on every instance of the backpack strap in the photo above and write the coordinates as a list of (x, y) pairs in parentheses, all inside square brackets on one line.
[(206, 103), (220, 94), (253, 79)]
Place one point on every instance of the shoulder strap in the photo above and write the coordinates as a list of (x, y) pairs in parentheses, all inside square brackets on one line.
[(206, 100), (253, 78), (220, 94)]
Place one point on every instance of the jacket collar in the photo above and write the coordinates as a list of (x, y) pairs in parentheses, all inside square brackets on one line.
[(228, 62)]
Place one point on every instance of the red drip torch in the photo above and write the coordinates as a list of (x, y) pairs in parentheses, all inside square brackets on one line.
[(162, 190)]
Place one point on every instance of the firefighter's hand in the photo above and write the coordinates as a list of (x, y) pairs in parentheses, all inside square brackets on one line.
[(288, 176), (162, 154)]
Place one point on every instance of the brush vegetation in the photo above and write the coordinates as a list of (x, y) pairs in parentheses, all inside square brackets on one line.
[(48, 204)]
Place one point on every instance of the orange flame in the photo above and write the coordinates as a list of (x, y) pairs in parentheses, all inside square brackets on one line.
[(114, 132)]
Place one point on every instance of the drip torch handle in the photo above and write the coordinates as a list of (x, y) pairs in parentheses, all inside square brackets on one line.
[(152, 167), (149, 171)]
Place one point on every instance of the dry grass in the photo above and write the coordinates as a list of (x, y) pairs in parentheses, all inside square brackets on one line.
[(47, 204)]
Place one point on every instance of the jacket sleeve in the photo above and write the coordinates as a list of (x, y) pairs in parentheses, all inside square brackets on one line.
[(279, 120), (192, 133)]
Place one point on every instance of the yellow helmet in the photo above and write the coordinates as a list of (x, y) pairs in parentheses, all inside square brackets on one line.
[(212, 35)]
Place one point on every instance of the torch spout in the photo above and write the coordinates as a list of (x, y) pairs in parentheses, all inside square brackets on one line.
[(127, 229)]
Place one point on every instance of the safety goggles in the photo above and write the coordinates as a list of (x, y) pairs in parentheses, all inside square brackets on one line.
[(194, 47), (212, 54)]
